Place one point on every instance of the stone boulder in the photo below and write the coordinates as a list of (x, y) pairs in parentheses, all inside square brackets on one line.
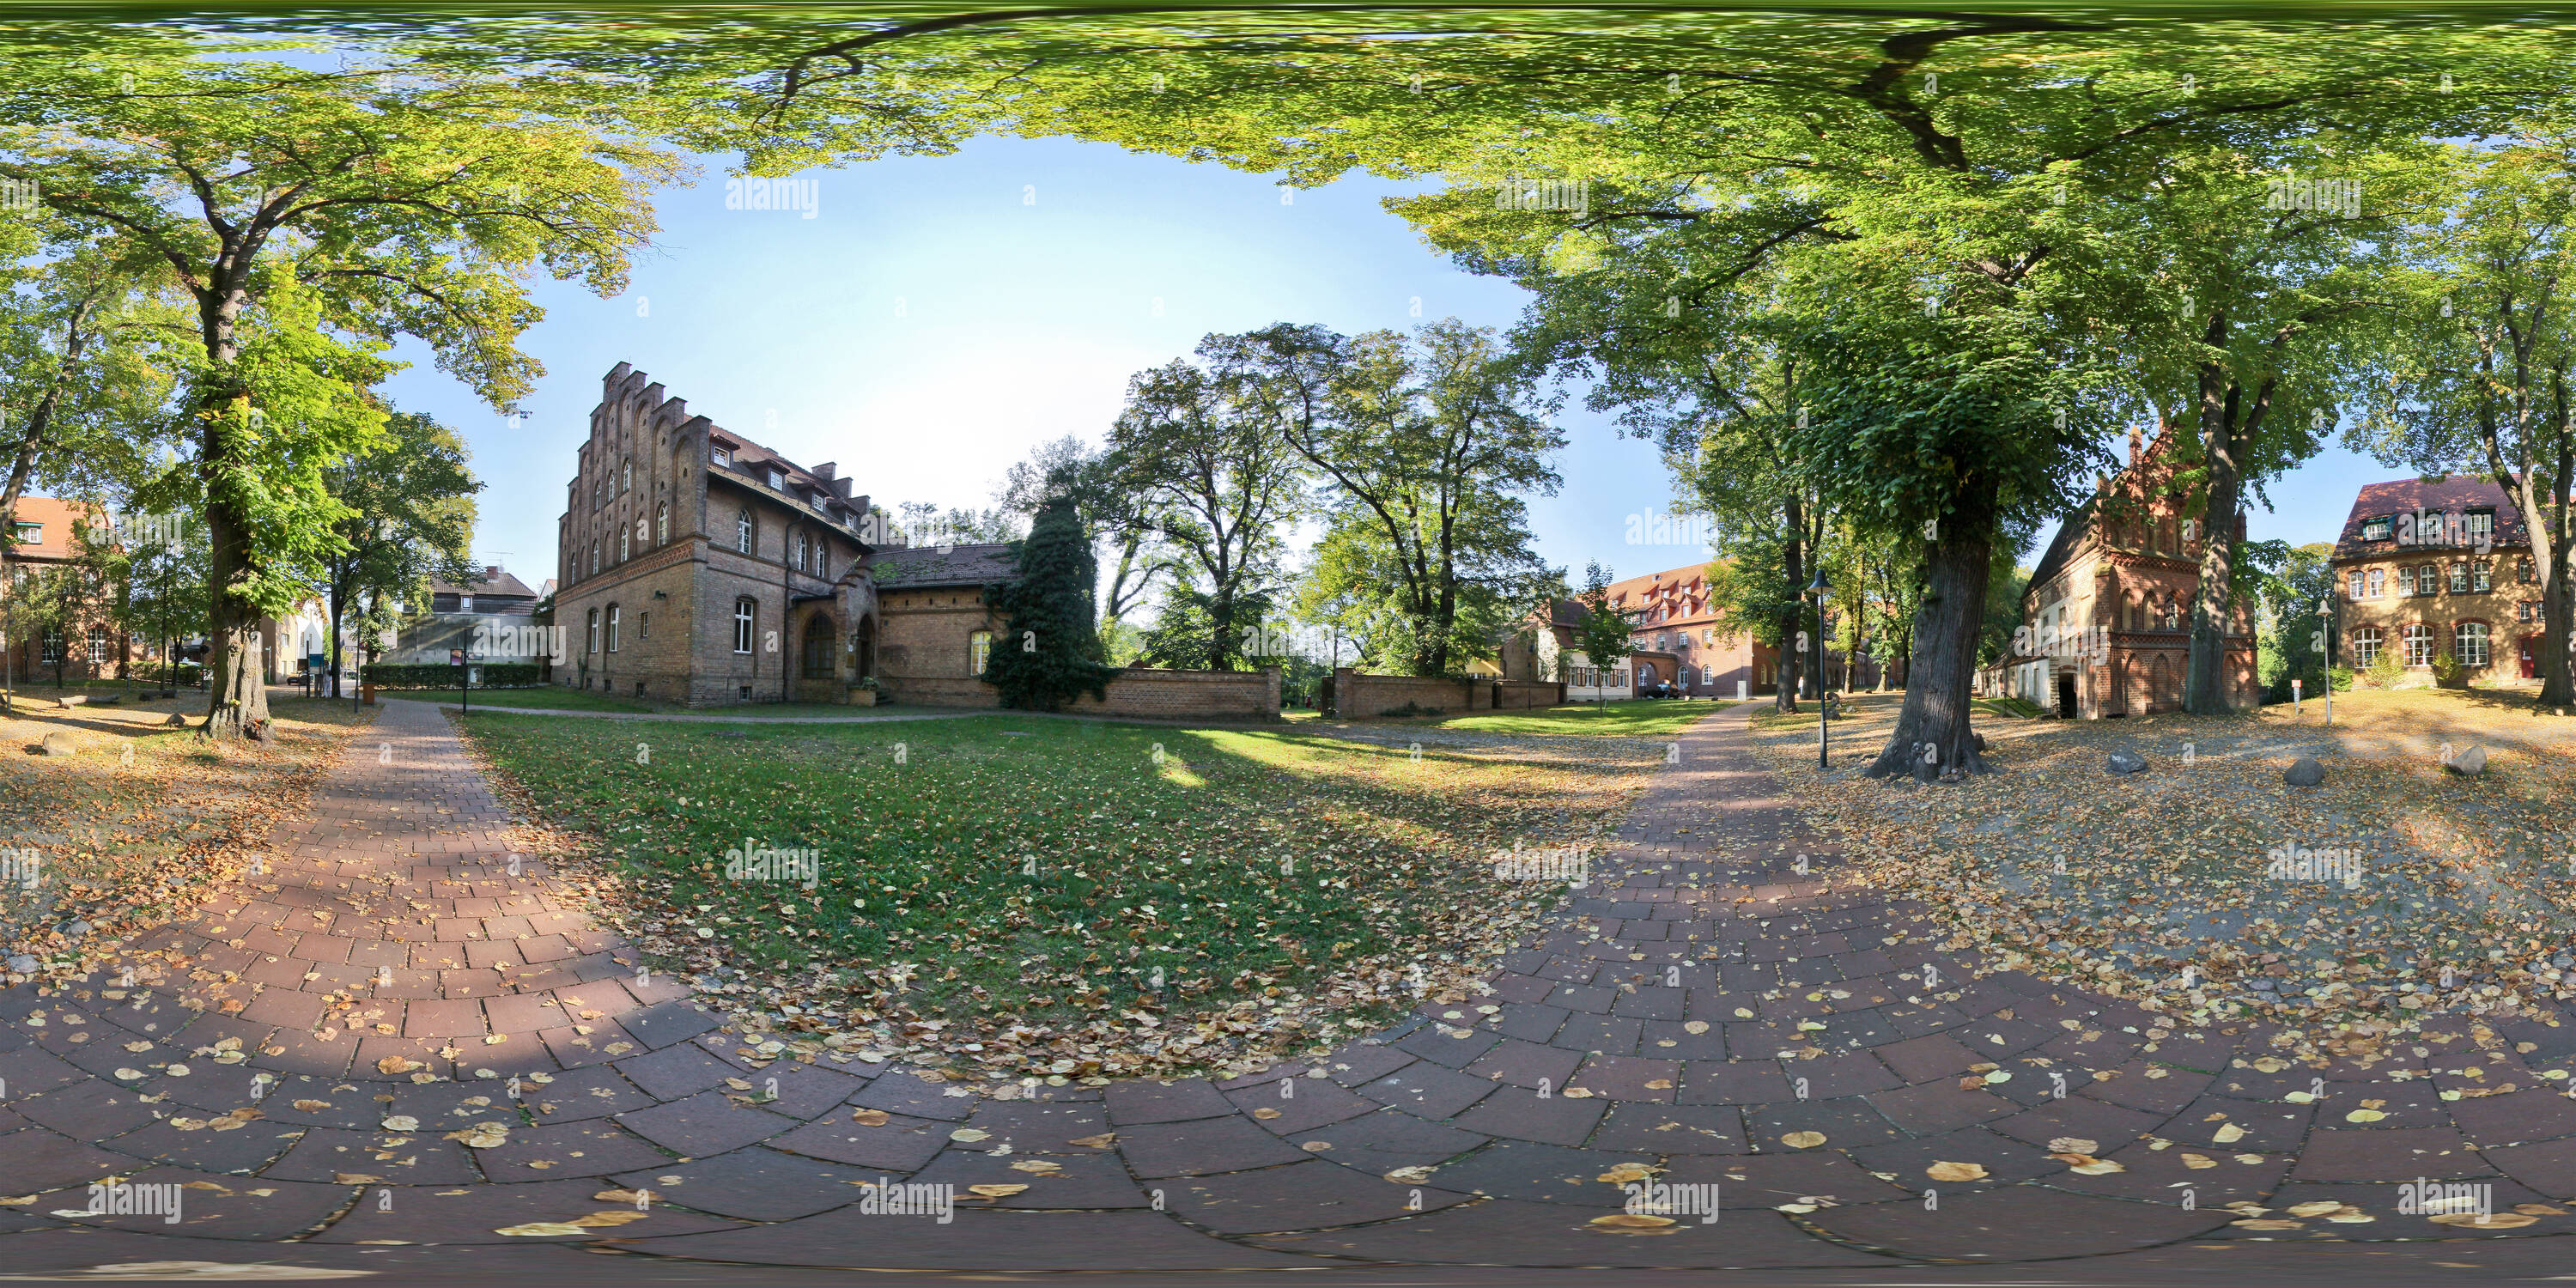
[(2468, 764), (2126, 762), (22, 963), (59, 743), (2304, 772)]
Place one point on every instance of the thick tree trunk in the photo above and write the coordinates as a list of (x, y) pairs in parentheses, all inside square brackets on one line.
[(2205, 687), (1932, 737), (1785, 682)]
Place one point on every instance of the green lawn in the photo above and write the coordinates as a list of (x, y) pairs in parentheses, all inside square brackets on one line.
[(1633, 718), (1050, 870)]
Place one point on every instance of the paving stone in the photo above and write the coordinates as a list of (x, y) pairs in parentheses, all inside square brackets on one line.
[(755, 1184), (469, 1215), (1521, 1114), (1381, 1142), (1309, 1103), (1539, 1173), (2362, 1154), (1095, 1181), (901, 1093), (1736, 1082), (2015, 1223), (324, 1153), (1202, 1146), (1526, 1064), (1547, 1234), (1299, 1196), (979, 1240), (1037, 1127), (1146, 1100), (898, 1145), (556, 1151), (703, 1124), (1671, 1129), (1428, 1090)]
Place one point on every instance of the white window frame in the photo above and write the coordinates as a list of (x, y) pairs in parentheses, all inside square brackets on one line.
[(2416, 640), (746, 612), (2366, 642), (744, 533), (2472, 643), (613, 615)]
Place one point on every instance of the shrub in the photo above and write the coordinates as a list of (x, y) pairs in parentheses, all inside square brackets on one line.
[(2340, 677), (2385, 671), (2447, 668)]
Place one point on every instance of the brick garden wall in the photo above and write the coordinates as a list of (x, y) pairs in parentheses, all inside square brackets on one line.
[(1144, 692), (1526, 695), (1361, 697)]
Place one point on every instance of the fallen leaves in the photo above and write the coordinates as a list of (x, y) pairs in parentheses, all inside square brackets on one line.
[(870, 1117), (1633, 1223), (1942, 1171), (1803, 1139)]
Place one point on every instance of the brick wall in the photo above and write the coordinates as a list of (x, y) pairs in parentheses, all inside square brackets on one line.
[(925, 647), (1362, 697)]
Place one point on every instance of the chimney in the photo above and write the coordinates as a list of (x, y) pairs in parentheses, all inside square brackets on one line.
[(842, 486), (491, 572), (825, 470), (2136, 437)]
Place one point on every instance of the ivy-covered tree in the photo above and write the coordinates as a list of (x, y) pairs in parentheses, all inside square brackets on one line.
[(1050, 650)]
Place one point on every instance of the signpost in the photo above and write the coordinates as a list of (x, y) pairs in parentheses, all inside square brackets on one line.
[(464, 679)]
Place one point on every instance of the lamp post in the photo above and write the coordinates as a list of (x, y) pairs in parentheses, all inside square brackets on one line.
[(1817, 590)]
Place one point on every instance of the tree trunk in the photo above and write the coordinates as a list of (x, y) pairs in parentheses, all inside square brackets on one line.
[(1932, 735), (237, 704), (1784, 695), (2205, 688)]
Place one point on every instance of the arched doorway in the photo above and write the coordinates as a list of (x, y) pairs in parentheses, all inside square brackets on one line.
[(863, 648)]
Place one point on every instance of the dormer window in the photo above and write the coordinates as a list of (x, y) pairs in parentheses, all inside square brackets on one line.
[(721, 455), (777, 481), (2376, 529)]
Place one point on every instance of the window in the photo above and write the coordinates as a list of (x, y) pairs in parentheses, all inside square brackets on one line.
[(2376, 529), (598, 493), (624, 550), (2459, 579), (2406, 581), (777, 481), (2481, 579), (2481, 527), (2378, 582), (594, 557), (742, 531), (979, 652), (612, 628), (743, 610), (2522, 571), (2419, 644), (2356, 583), (590, 634), (2365, 646), (31, 534), (822, 560), (1708, 636), (1659, 641), (97, 645), (644, 625), (2429, 581), (720, 456), (661, 523), (2522, 611), (2469, 643), (625, 477), (804, 551), (52, 645)]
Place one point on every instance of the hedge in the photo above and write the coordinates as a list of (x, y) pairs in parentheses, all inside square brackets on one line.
[(432, 675)]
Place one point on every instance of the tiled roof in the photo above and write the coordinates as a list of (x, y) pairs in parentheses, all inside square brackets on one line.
[(1683, 590), (2462, 492), (57, 517), (915, 567)]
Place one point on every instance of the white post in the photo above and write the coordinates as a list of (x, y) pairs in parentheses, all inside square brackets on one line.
[(1743, 690)]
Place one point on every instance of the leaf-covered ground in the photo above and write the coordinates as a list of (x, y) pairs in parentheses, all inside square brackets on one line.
[(124, 844), (2410, 891), (1048, 897)]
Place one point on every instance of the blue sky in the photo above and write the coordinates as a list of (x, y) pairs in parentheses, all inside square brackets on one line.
[(939, 317)]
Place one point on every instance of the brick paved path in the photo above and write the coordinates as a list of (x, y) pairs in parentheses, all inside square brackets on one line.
[(1646, 1031)]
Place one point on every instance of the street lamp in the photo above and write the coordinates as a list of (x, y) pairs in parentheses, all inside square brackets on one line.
[(1817, 590), (2325, 622)]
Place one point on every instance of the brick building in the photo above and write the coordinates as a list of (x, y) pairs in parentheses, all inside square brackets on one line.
[(90, 646), (2108, 609), (1676, 641), (938, 633), (2431, 566), (697, 566)]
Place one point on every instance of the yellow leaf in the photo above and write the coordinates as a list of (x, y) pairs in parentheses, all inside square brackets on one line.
[(2269, 1223), (1627, 1173), (995, 1191), (1102, 1141), (2364, 1116), (2227, 1134), (2073, 1145), (534, 1228), (1803, 1139), (1632, 1223), (2492, 1221), (1036, 1166), (1956, 1171), (597, 1219), (869, 1117)]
